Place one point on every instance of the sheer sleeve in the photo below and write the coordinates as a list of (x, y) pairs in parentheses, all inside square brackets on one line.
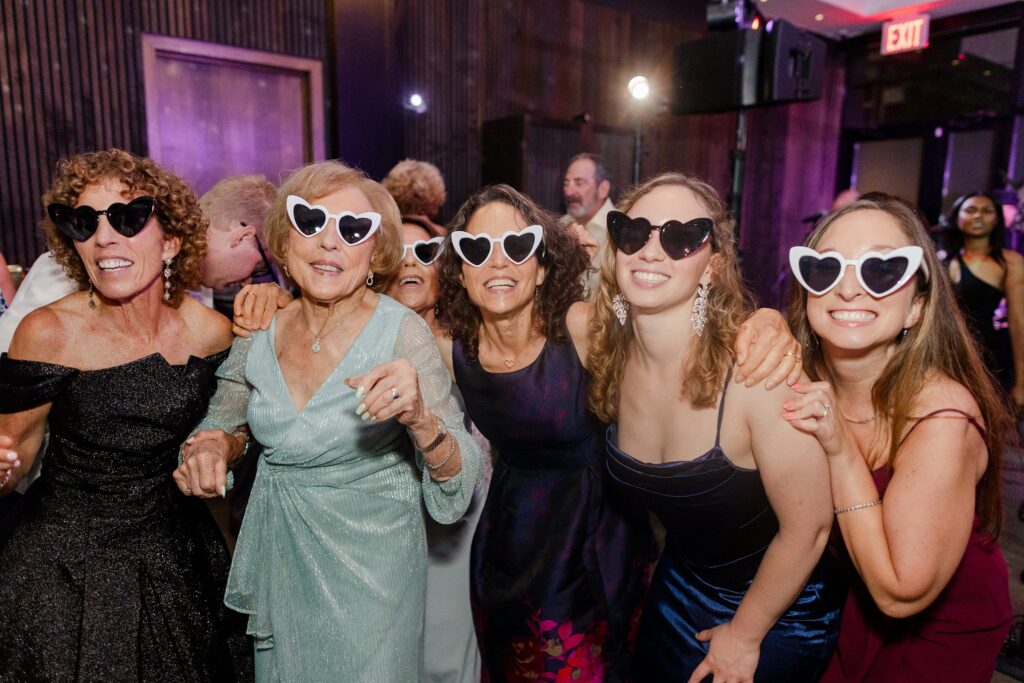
[(230, 402), (27, 384), (446, 501)]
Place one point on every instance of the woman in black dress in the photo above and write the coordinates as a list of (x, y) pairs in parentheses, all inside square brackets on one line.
[(108, 572), (988, 281)]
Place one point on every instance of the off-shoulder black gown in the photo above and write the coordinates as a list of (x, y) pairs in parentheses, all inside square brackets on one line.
[(107, 572)]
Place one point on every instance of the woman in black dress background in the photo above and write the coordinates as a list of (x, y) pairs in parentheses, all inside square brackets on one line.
[(108, 572)]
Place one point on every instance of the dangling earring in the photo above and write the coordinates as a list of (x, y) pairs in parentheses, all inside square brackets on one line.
[(284, 266), (167, 279), (620, 307), (902, 335), (92, 301), (700, 313), (437, 310), (369, 280)]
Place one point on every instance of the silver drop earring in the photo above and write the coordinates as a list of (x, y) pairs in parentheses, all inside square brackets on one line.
[(167, 279), (92, 300), (700, 308), (369, 280), (620, 307)]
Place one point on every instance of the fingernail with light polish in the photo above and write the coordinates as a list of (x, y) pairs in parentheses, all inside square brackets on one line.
[(223, 491), (360, 392), (366, 416)]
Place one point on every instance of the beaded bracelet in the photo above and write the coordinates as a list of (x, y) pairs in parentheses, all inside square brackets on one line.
[(861, 506), (439, 466)]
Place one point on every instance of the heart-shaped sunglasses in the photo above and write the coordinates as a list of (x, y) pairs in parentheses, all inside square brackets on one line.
[(424, 251), (678, 239), (879, 274), (80, 223), (518, 246), (310, 220)]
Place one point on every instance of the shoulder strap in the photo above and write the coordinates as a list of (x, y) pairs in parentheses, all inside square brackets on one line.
[(721, 408), (970, 418)]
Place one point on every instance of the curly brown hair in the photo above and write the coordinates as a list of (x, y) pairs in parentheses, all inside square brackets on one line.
[(417, 186), (564, 260), (728, 305), (320, 179), (939, 343), (177, 210)]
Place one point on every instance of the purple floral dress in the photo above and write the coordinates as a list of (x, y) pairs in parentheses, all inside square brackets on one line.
[(559, 563)]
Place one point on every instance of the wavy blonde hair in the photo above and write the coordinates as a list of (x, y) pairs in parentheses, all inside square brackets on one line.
[(417, 186), (318, 180), (177, 210), (939, 343), (728, 306)]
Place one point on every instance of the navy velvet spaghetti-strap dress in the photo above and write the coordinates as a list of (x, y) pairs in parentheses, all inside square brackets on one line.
[(558, 563), (107, 572), (718, 524)]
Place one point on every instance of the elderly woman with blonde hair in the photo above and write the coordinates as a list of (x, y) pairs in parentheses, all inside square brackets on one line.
[(348, 395)]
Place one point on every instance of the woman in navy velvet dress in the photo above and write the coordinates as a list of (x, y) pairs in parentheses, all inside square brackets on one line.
[(559, 558), (913, 429), (741, 592)]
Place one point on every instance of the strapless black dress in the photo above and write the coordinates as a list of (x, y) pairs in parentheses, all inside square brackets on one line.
[(107, 572)]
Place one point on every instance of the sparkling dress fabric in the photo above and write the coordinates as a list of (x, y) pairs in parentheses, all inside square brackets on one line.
[(331, 559), (719, 524), (978, 302), (109, 573), (558, 563), (957, 638)]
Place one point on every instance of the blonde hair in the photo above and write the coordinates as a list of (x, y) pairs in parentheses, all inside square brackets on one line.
[(245, 198), (728, 305), (417, 187), (939, 343), (177, 210), (318, 180)]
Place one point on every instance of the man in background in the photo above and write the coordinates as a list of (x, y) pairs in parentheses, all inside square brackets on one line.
[(587, 189)]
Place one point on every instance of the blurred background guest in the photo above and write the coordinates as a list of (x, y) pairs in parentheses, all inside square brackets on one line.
[(418, 189), (587, 189), (109, 573), (6, 285), (988, 281)]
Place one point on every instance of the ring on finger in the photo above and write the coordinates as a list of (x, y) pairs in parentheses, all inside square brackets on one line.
[(394, 394), (795, 356), (826, 409)]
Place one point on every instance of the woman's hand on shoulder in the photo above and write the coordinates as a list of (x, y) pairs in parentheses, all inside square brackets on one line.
[(256, 305), (766, 350)]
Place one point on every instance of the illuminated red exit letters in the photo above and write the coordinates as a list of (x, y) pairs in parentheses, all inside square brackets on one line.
[(904, 35)]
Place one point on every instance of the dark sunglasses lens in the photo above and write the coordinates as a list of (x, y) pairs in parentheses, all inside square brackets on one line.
[(426, 252), (881, 275), (77, 224), (519, 247), (353, 229), (130, 219), (682, 239), (629, 234), (476, 250), (309, 221), (820, 273)]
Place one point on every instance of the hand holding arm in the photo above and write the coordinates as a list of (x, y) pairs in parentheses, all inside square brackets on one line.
[(766, 351)]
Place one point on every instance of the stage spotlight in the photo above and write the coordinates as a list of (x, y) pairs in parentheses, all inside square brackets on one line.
[(416, 103), (639, 87)]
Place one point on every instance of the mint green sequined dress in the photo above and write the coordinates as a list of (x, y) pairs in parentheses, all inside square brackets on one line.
[(331, 558)]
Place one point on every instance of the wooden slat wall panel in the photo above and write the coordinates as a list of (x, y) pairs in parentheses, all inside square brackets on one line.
[(71, 81)]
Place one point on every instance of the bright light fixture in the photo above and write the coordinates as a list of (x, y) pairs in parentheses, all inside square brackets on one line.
[(639, 87)]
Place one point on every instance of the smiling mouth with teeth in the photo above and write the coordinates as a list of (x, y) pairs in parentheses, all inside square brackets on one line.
[(500, 284), (325, 268), (853, 316), (410, 281), (114, 264)]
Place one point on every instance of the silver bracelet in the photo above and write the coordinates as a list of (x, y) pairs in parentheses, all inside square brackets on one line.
[(440, 466), (860, 506)]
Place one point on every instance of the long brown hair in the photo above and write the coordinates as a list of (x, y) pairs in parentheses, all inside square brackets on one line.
[(728, 305), (939, 343), (561, 254)]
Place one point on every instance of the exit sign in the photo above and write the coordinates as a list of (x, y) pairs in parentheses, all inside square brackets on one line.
[(904, 35)]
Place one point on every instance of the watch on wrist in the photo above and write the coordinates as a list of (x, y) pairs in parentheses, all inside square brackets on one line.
[(442, 432)]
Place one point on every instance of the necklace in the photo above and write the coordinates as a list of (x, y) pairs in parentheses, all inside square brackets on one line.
[(315, 346), (865, 421)]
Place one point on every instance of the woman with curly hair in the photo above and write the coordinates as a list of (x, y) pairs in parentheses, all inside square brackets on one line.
[(739, 592), (108, 573), (558, 562)]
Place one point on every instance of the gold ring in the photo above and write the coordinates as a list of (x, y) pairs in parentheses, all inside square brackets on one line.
[(795, 356)]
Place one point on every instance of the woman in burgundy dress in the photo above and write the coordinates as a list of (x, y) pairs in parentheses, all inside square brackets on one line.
[(913, 429)]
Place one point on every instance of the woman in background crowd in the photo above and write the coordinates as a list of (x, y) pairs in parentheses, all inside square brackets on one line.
[(108, 572), (988, 281), (913, 431), (349, 398), (739, 592), (418, 189)]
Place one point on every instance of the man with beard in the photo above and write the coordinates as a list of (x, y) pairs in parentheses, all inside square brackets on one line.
[(586, 189)]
